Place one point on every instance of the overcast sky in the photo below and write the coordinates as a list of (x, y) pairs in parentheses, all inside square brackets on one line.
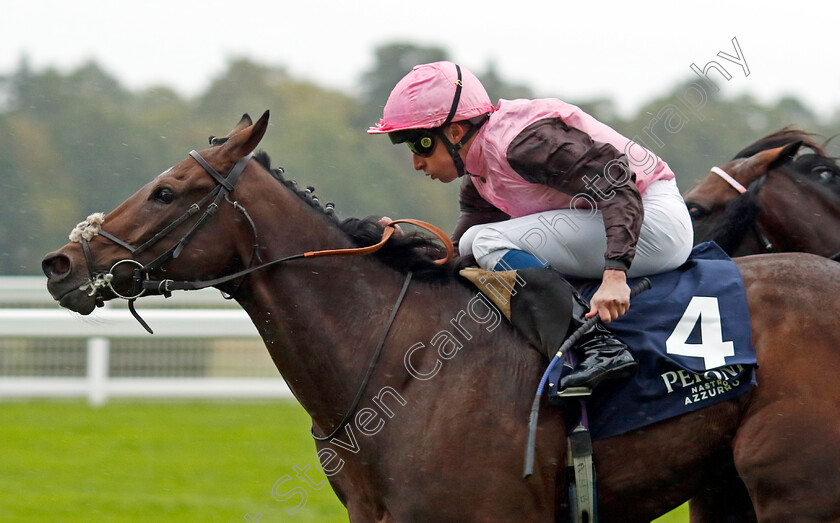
[(628, 51)]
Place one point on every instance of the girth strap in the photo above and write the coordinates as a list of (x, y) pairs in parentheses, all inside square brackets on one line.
[(583, 494)]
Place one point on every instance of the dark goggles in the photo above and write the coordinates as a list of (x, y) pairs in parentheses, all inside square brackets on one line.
[(421, 143)]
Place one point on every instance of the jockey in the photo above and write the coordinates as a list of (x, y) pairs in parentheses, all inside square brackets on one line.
[(544, 184)]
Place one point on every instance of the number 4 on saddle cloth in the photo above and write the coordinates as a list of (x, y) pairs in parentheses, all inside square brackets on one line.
[(690, 333)]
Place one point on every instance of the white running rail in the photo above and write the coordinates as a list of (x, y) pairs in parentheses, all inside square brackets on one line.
[(107, 324)]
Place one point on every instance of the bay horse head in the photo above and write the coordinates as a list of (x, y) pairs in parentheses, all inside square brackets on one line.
[(770, 198), (211, 220), (115, 255)]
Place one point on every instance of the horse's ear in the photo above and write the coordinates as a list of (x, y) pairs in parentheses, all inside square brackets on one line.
[(762, 162), (244, 122), (785, 154), (242, 142)]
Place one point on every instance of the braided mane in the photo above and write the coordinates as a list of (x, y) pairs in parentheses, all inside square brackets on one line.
[(411, 251)]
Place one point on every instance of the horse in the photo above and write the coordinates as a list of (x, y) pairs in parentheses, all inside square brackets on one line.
[(767, 199), (419, 392)]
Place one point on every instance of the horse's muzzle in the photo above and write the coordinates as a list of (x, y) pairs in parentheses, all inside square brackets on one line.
[(56, 266), (64, 288)]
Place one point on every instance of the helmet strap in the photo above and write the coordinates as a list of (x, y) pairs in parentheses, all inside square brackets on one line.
[(455, 148), (456, 99)]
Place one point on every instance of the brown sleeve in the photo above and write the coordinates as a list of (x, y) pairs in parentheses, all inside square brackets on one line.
[(552, 153), (474, 210)]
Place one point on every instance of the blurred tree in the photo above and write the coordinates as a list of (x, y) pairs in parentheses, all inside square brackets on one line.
[(603, 109), (63, 134), (498, 88), (244, 84), (693, 137), (79, 142), (17, 84), (789, 109)]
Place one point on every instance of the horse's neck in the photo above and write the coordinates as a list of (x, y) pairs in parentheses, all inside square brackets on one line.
[(308, 310), (319, 317), (320, 320)]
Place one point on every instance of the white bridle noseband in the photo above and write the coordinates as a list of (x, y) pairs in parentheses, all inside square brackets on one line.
[(729, 179)]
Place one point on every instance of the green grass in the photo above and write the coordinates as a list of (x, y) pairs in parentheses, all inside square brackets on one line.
[(67, 462), (161, 462)]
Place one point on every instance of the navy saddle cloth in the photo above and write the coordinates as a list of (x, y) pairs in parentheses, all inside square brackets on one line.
[(691, 334)]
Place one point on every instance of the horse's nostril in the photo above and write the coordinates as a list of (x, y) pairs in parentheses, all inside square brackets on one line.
[(56, 266)]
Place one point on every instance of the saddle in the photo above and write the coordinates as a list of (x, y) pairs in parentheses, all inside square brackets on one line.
[(690, 334), (545, 308), (537, 302)]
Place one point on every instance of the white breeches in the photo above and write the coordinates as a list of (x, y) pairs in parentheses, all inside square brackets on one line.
[(574, 241)]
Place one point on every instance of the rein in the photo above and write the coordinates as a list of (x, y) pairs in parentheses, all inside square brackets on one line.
[(167, 286)]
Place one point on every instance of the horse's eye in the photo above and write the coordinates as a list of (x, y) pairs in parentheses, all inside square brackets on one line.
[(163, 195), (697, 212)]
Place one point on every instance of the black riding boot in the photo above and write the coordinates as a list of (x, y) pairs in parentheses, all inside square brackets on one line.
[(605, 357), (546, 310)]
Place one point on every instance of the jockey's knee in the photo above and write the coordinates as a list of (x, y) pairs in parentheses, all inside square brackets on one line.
[(488, 247), (467, 240)]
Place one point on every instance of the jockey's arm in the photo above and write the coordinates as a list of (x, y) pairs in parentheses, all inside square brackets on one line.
[(567, 159)]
